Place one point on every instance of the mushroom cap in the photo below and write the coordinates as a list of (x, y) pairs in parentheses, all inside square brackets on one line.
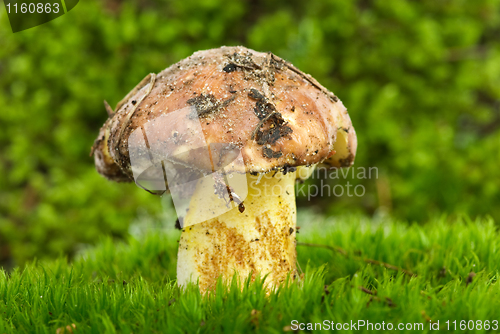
[(230, 99)]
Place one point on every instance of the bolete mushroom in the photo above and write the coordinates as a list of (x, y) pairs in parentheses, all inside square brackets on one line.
[(221, 113)]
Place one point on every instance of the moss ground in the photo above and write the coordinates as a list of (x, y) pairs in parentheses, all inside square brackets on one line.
[(366, 274)]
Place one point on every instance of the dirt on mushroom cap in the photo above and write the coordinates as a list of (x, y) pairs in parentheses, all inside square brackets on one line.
[(275, 114)]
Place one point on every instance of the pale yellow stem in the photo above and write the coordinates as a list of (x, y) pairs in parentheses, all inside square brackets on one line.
[(261, 239)]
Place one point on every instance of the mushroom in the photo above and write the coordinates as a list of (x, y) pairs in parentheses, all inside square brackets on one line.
[(228, 132)]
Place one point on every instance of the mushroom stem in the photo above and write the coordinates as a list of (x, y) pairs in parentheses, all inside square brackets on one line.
[(258, 240)]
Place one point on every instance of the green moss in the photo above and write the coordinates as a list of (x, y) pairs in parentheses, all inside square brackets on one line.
[(130, 287), (420, 79)]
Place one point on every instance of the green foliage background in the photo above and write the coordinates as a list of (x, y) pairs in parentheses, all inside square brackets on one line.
[(421, 80)]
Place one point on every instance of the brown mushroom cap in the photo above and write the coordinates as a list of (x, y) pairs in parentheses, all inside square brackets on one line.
[(257, 102)]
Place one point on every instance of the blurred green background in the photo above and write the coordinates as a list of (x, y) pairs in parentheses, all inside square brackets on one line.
[(421, 81)]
